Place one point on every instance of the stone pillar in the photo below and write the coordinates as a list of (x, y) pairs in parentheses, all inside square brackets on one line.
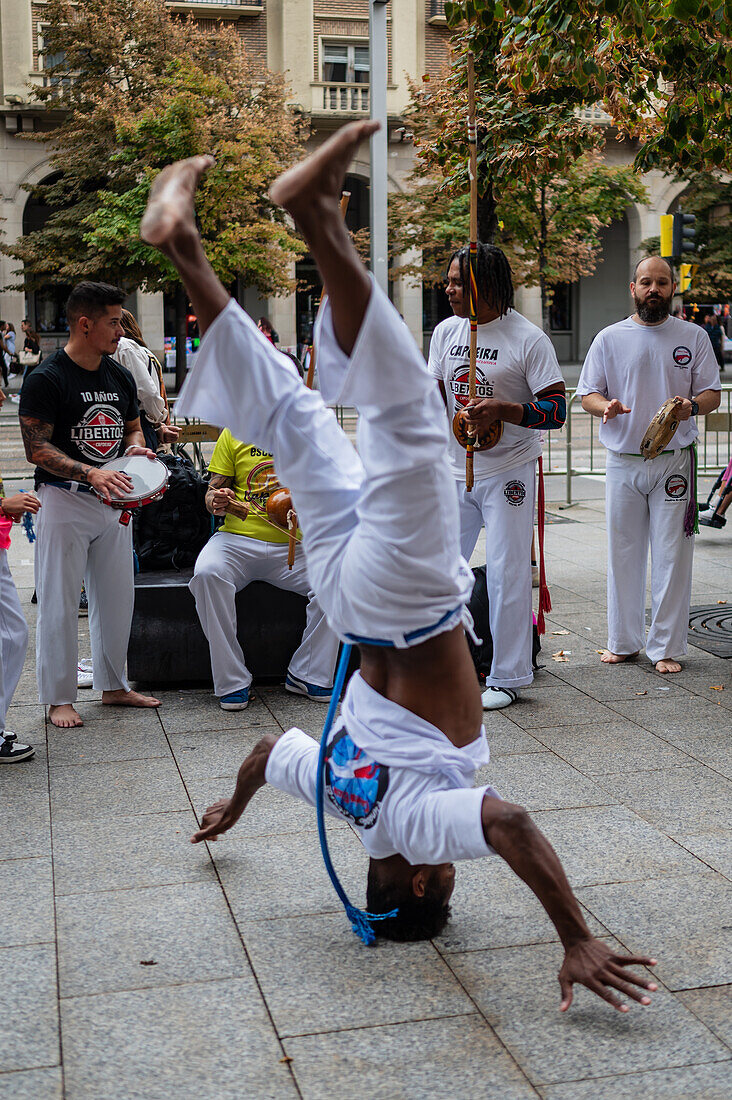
[(528, 303), (149, 313)]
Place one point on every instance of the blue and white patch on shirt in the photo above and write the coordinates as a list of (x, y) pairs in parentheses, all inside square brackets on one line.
[(354, 783)]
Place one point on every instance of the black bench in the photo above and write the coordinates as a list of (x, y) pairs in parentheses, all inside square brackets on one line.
[(168, 646)]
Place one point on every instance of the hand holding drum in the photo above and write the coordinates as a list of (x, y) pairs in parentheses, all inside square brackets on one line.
[(661, 429)]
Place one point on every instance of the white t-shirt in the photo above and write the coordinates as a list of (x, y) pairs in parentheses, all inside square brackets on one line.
[(137, 360), (642, 366), (410, 793), (515, 361)]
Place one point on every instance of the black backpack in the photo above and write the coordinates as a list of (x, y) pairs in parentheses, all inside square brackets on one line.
[(171, 532), (479, 608)]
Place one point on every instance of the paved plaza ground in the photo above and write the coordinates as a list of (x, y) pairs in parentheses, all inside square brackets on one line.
[(134, 966)]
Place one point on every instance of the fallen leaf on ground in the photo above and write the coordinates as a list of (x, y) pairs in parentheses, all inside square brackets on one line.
[(641, 692), (556, 632), (148, 962), (286, 1059), (600, 651), (559, 657), (717, 687), (721, 601)]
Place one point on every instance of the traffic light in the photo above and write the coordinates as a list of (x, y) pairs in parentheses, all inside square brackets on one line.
[(667, 236), (684, 234), (686, 272)]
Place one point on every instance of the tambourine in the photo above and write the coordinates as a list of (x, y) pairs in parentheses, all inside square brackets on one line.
[(482, 440), (661, 429), (149, 479)]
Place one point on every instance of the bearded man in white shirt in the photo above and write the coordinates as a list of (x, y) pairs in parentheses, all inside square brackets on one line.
[(631, 369)]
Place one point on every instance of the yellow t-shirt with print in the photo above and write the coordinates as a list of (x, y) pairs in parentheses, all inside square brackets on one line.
[(254, 479)]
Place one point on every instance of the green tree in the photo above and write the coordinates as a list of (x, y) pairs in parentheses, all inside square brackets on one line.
[(135, 89)]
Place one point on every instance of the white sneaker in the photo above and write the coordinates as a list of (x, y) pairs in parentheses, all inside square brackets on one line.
[(495, 698), (84, 674)]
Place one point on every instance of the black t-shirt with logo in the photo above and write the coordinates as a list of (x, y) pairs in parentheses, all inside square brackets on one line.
[(88, 409)]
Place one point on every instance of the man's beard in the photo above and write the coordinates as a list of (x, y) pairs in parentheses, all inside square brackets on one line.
[(651, 312)]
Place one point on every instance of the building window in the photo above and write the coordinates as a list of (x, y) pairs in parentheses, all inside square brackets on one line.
[(560, 311), (345, 63)]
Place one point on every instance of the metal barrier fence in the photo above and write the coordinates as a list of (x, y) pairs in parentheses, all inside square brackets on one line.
[(576, 449)]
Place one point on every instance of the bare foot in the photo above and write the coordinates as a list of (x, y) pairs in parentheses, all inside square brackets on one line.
[(64, 716), (610, 658), (667, 665), (122, 698), (169, 210), (321, 175)]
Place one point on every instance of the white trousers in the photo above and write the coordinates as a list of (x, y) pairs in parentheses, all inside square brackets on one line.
[(380, 528), (79, 538), (504, 504), (13, 638), (229, 563), (645, 504)]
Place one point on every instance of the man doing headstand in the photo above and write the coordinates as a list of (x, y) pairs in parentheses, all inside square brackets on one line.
[(381, 537)]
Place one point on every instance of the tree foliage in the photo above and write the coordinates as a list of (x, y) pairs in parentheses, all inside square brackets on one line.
[(137, 88)]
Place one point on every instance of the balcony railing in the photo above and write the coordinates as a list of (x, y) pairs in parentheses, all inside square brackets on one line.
[(341, 99), (235, 8)]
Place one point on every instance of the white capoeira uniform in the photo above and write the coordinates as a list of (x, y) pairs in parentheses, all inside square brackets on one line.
[(13, 634), (645, 501), (380, 531), (515, 361)]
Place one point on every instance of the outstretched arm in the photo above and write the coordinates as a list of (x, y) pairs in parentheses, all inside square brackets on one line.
[(220, 817), (598, 405), (591, 962)]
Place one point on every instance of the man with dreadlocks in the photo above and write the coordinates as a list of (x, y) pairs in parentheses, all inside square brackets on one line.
[(380, 533), (518, 381)]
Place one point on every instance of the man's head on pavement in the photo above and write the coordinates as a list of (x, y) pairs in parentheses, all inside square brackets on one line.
[(653, 289), (421, 893), (494, 279), (94, 313)]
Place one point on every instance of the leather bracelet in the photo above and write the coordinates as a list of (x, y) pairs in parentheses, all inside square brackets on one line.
[(694, 408)]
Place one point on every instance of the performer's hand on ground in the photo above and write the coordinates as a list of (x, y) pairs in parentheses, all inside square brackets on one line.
[(216, 820), (483, 411), (109, 483), (594, 964), (19, 503), (682, 411), (135, 449), (613, 409)]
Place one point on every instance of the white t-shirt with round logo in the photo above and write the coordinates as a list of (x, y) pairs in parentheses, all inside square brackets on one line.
[(515, 361), (642, 366)]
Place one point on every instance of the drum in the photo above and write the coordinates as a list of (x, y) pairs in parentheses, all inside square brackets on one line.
[(149, 479)]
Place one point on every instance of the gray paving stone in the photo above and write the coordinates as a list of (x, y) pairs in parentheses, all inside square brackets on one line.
[(676, 800), (26, 827), (211, 1039), (711, 749), (672, 716), (618, 746), (707, 1082), (540, 781), (132, 851), (623, 681), (101, 717), (270, 811), (104, 938), (31, 1084), (263, 876), (104, 741), (506, 738), (26, 902), (714, 850), (612, 844), (94, 791), (412, 1061), (517, 990), (214, 753), (492, 907), (535, 709), (713, 1007), (27, 721), (182, 713), (317, 976), (682, 922), (28, 1007)]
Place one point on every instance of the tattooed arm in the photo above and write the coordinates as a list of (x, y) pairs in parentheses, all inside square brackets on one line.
[(41, 452), (221, 498)]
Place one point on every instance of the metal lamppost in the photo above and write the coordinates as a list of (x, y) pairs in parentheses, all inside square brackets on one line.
[(378, 187)]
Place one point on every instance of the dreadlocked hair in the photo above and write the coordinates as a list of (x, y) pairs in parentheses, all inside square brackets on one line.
[(495, 281), (418, 918)]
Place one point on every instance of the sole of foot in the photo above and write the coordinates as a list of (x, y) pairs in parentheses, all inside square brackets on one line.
[(321, 175), (64, 717), (170, 206), (610, 658)]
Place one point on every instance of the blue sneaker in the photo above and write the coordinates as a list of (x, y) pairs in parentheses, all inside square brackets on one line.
[(312, 691), (235, 700)]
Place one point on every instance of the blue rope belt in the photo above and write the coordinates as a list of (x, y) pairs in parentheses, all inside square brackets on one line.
[(361, 921)]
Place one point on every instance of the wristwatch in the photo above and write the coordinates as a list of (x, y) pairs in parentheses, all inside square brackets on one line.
[(694, 408)]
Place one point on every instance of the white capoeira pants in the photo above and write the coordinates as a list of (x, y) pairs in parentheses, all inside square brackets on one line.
[(230, 562), (13, 638), (645, 504), (380, 528), (80, 539), (504, 505)]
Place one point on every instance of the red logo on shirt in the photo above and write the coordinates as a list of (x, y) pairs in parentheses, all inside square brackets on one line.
[(461, 387), (99, 432), (682, 356)]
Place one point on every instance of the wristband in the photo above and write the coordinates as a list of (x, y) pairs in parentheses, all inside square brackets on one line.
[(694, 408)]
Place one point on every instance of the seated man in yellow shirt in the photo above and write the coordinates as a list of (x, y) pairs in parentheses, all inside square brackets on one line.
[(248, 548)]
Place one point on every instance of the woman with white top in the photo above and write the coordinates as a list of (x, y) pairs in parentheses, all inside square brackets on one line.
[(132, 352)]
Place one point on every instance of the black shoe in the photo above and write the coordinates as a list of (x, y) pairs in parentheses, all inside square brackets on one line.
[(11, 751), (83, 602), (707, 518), (34, 597)]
